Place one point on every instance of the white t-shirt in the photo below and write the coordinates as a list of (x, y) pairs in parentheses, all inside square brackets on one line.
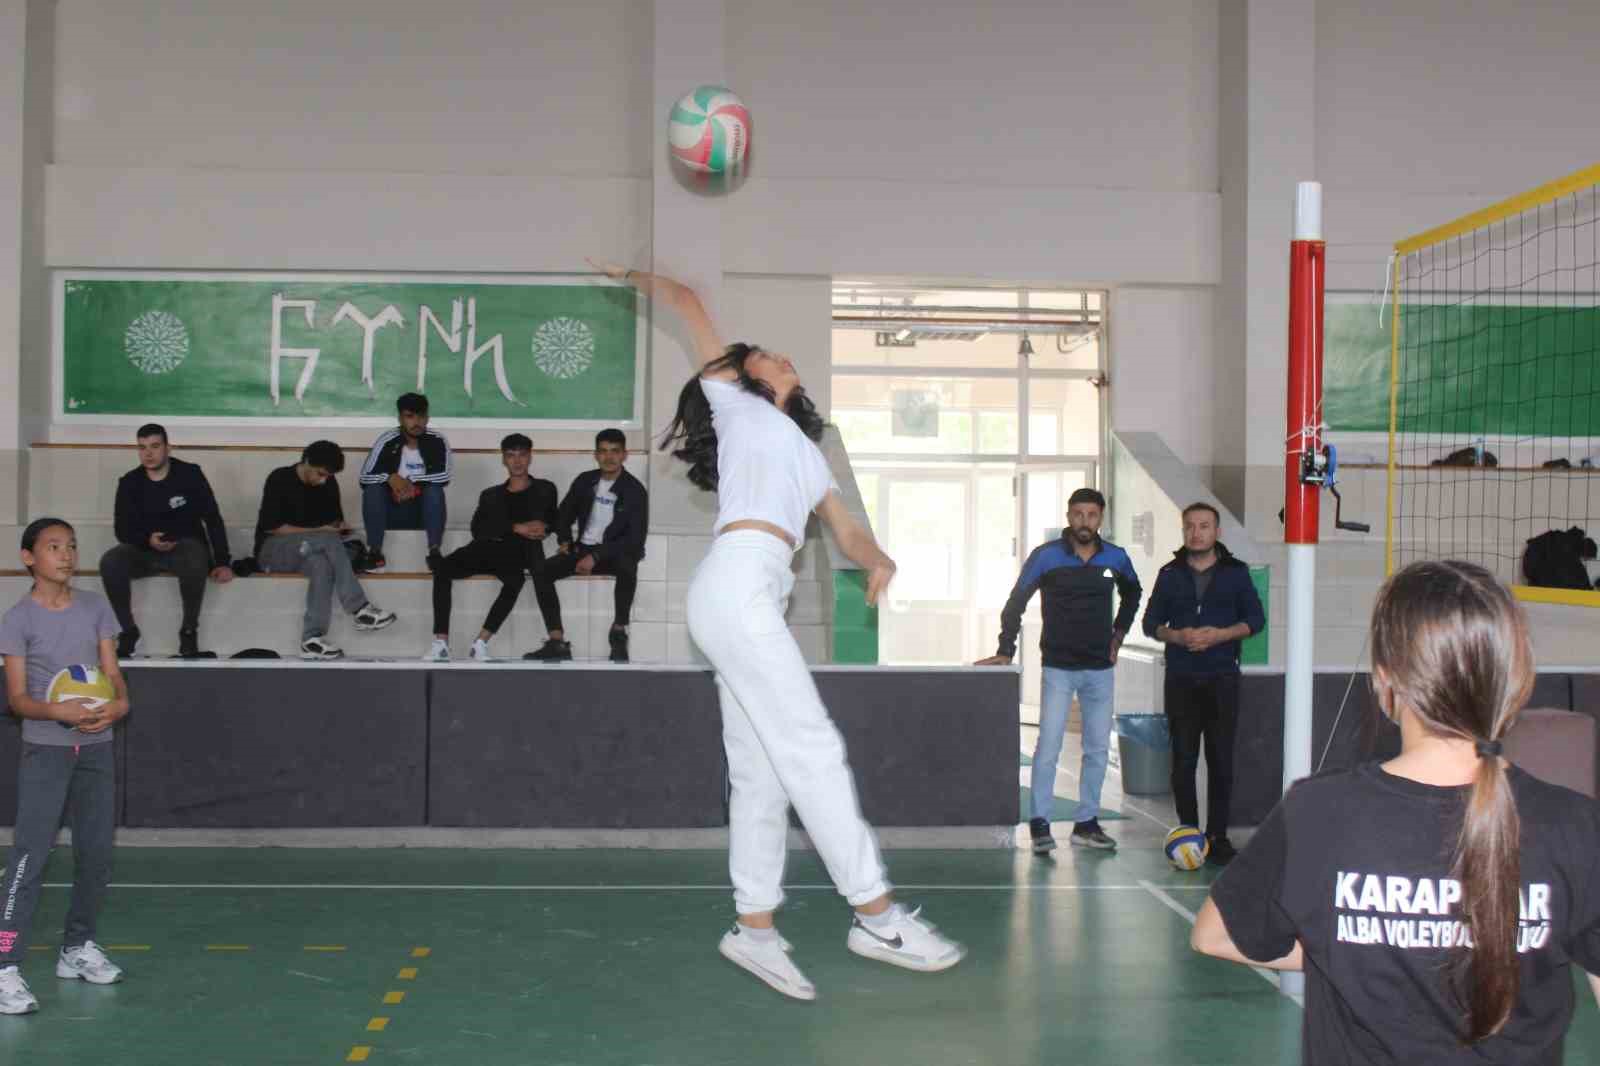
[(411, 464), (767, 469), (600, 515)]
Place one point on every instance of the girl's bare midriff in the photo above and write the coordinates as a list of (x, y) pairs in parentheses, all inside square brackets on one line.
[(756, 523)]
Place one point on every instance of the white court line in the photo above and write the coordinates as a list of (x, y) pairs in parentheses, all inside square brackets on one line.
[(1189, 916), (1141, 886)]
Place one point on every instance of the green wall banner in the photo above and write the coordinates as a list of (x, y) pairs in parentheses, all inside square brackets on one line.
[(565, 350), (1502, 370)]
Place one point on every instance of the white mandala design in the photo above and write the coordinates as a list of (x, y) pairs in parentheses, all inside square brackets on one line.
[(563, 347), (156, 342)]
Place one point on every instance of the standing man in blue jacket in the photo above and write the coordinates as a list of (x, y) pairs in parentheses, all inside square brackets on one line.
[(1203, 605), (1080, 640)]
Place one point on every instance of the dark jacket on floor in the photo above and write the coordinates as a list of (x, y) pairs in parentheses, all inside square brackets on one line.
[(1231, 598)]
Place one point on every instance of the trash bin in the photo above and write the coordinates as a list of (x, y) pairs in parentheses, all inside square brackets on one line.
[(1145, 748)]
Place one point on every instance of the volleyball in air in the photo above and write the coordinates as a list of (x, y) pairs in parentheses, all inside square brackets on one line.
[(710, 131), (1187, 847), (85, 683)]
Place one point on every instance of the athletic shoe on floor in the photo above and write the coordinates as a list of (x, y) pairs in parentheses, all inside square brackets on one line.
[(1090, 835), (320, 648), (906, 940), (372, 617), (554, 651), (767, 960), (87, 963), (480, 652), (438, 652), (619, 645), (15, 995), (1221, 852), (127, 641), (1039, 830)]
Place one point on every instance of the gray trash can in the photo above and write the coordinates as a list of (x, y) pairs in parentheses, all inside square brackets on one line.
[(1145, 747)]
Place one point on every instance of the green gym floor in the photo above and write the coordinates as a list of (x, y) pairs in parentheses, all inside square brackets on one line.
[(318, 956)]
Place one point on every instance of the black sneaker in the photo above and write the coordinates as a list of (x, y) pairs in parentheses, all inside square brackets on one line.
[(189, 645), (1090, 835), (435, 557), (127, 640), (619, 645), (1221, 852), (554, 651), (1039, 830), (372, 563)]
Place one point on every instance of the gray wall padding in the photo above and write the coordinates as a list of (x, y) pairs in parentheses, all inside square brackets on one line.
[(267, 748)]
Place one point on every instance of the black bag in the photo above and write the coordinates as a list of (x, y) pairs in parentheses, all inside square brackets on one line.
[(1554, 559)]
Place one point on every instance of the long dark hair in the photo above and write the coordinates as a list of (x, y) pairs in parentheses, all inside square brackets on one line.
[(1452, 645), (691, 428), (36, 528)]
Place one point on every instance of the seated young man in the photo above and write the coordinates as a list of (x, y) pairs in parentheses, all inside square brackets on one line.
[(167, 522), (300, 531), (610, 510), (508, 531), (403, 480)]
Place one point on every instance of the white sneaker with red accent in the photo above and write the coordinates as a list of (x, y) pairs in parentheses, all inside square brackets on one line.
[(87, 962), (15, 995)]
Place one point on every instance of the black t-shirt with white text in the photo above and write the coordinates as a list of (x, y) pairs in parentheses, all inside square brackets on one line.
[(1355, 865)]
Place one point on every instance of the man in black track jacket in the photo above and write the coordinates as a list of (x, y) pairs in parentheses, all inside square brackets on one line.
[(601, 528), (1203, 605)]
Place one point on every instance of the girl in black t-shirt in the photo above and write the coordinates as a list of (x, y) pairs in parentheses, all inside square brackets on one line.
[(1436, 901)]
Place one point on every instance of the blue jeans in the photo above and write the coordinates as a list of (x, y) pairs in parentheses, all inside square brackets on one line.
[(1095, 690), (379, 513)]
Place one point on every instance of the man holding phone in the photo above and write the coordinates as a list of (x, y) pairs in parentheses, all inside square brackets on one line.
[(167, 522)]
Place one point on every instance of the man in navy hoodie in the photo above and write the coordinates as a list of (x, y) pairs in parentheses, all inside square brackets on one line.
[(1078, 574), (1203, 605), (167, 522)]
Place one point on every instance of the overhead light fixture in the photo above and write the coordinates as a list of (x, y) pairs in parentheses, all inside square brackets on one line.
[(1025, 349)]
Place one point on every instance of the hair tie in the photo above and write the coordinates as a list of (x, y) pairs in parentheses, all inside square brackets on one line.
[(1488, 749)]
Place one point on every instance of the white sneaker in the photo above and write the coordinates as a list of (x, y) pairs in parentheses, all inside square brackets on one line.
[(907, 941), (768, 960), (15, 996), (88, 963), (320, 648), (438, 652), (480, 652), (372, 617)]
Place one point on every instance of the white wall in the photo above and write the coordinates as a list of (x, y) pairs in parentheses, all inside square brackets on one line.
[(1163, 342)]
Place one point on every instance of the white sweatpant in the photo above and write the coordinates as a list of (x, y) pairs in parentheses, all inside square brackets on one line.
[(782, 747)]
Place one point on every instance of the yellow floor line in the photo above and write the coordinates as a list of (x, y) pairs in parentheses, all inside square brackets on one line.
[(393, 997), (358, 1053), (377, 1025), (407, 973)]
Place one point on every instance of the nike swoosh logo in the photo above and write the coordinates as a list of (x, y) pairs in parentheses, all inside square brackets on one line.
[(897, 943)]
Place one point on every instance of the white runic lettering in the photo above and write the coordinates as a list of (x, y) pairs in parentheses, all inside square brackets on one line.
[(390, 315), (452, 339), (280, 353)]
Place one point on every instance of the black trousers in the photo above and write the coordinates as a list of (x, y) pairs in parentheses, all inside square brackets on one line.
[(511, 560), (1203, 711), (123, 565), (625, 570)]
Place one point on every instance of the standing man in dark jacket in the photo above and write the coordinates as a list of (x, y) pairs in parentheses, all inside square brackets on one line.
[(508, 532), (403, 480), (167, 522), (1080, 640), (610, 511), (1203, 605)]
